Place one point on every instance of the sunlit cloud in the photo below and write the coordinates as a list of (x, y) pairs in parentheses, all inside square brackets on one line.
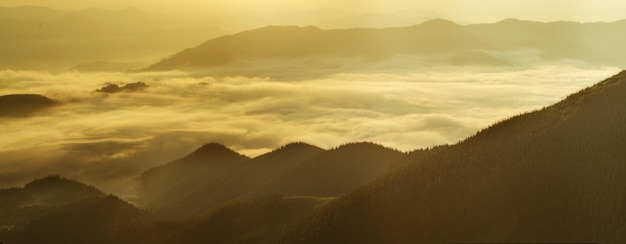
[(107, 139)]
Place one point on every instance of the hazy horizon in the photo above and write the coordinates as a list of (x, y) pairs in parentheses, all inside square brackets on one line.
[(461, 11)]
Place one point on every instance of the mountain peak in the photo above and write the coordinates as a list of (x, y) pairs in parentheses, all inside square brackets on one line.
[(439, 23), (362, 146), (213, 150), (49, 178), (288, 27), (294, 148), (57, 183), (296, 145), (49, 181)]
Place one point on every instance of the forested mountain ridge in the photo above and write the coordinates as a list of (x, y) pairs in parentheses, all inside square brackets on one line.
[(168, 183), (296, 169), (552, 175), (104, 219), (19, 205)]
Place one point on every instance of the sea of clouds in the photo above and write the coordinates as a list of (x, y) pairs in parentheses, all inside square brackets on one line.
[(108, 139)]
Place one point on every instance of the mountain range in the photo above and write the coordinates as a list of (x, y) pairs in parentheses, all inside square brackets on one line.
[(436, 42), (214, 175), (550, 175), (132, 39)]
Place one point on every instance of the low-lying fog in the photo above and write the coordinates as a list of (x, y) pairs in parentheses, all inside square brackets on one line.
[(106, 139)]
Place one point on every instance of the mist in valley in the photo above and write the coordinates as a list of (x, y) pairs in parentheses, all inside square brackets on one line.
[(316, 122)]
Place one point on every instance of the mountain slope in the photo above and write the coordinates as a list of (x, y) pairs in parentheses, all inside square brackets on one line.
[(93, 220), (554, 175), (251, 221), (436, 36), (296, 169), (242, 181), (336, 171), (18, 205), (178, 179)]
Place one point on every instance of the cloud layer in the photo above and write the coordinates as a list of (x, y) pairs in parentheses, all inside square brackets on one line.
[(107, 139)]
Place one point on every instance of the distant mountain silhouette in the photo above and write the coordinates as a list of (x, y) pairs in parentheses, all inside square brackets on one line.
[(19, 105), (553, 175), (105, 219), (439, 41), (18, 205), (437, 36)]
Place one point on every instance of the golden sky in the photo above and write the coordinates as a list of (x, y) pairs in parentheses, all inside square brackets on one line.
[(462, 10)]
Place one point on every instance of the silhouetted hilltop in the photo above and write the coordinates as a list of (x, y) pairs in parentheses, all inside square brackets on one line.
[(104, 219), (215, 152), (553, 175), (336, 171), (284, 157), (17, 105), (296, 169), (18, 205), (241, 182), (438, 23), (182, 177), (59, 191)]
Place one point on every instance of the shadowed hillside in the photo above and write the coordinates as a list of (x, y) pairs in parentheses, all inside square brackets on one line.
[(18, 205), (554, 175), (296, 169), (336, 171), (181, 178), (248, 222), (239, 182), (94, 220)]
